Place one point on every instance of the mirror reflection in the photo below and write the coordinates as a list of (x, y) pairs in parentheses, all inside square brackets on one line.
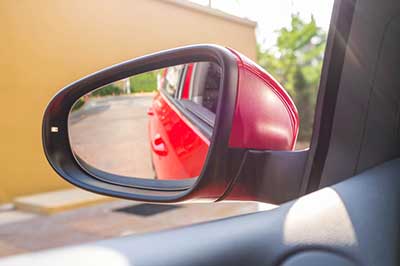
[(153, 125)]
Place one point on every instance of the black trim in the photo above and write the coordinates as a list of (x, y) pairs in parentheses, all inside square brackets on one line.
[(201, 112), (266, 176), (335, 52), (171, 185)]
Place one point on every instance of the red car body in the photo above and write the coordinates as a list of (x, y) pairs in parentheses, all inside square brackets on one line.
[(178, 147), (265, 118)]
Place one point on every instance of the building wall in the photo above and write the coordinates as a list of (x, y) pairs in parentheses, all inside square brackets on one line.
[(46, 44)]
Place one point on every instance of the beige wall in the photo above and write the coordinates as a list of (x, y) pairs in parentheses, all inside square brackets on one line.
[(46, 44)]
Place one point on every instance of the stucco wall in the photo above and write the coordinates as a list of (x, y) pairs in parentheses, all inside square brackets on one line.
[(46, 44)]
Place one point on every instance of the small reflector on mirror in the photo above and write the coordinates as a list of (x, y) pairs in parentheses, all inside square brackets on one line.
[(54, 129)]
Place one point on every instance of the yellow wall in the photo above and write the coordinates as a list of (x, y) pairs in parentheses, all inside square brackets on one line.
[(46, 44)]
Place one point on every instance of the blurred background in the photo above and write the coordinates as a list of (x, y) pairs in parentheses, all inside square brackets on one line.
[(48, 44)]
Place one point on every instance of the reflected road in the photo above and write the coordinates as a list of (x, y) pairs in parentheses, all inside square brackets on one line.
[(110, 134)]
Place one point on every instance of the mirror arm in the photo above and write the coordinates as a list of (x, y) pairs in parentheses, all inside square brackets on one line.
[(268, 176)]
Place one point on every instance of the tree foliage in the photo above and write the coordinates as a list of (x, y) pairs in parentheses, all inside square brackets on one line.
[(296, 61), (106, 90), (145, 82)]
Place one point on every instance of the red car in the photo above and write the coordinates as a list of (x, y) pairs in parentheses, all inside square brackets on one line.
[(182, 116)]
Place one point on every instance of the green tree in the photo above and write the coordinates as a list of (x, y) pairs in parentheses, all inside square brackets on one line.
[(145, 82), (296, 61), (107, 90)]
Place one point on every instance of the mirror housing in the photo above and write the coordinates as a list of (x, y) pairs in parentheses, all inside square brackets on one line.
[(254, 117)]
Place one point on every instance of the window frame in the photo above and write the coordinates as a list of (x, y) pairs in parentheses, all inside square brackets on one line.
[(199, 116), (205, 115)]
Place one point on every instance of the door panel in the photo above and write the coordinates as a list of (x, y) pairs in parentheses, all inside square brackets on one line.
[(178, 149)]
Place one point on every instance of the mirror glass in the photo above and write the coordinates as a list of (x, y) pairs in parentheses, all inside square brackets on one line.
[(154, 125)]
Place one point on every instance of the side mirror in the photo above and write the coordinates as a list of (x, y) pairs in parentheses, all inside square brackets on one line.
[(196, 122)]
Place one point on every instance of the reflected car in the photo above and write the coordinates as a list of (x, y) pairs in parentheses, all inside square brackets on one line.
[(183, 113), (181, 119)]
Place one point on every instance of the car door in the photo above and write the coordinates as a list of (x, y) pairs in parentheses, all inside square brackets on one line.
[(179, 147)]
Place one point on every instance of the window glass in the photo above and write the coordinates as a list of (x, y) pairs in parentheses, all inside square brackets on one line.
[(289, 43), (172, 79), (205, 85), (294, 58), (202, 85)]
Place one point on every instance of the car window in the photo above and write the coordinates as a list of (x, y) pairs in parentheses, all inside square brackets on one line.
[(289, 43), (195, 88), (205, 83), (198, 91), (171, 79)]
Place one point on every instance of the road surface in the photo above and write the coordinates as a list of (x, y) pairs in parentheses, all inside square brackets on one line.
[(110, 133)]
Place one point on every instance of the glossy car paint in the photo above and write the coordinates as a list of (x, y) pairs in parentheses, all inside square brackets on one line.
[(179, 149), (265, 116), (187, 82)]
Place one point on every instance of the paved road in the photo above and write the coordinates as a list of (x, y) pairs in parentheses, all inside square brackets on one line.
[(105, 221), (110, 133)]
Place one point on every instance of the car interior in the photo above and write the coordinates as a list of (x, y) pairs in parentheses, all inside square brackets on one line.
[(347, 211)]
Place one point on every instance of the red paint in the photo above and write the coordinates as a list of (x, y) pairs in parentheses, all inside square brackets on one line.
[(186, 84), (178, 148), (265, 116)]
